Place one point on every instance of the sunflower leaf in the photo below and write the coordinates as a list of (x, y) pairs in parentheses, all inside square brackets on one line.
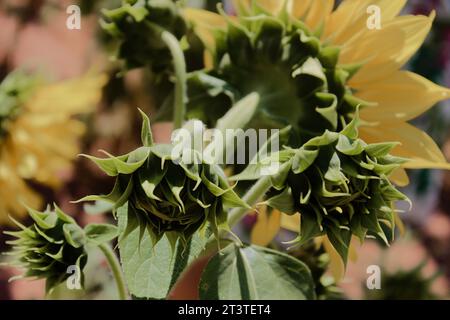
[(255, 273), (152, 269)]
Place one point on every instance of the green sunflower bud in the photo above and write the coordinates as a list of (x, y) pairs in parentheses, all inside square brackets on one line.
[(49, 247), (339, 185), (297, 77), (15, 89), (137, 26), (166, 195)]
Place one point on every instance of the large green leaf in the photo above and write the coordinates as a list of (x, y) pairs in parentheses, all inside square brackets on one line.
[(255, 273), (151, 271)]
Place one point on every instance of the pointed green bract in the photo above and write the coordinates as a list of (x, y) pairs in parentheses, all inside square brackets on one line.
[(146, 131)]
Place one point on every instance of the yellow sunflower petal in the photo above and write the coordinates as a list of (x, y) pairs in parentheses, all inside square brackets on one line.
[(312, 11), (384, 45), (272, 6), (399, 177), (384, 58), (266, 227), (299, 8), (416, 29), (205, 22), (402, 96), (400, 225), (241, 6), (350, 18), (318, 13), (291, 222), (415, 144), (336, 267)]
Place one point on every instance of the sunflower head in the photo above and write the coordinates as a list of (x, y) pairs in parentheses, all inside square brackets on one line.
[(166, 195), (137, 25), (297, 77), (15, 90), (318, 61), (46, 249)]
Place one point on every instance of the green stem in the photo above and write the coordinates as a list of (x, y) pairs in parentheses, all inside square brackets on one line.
[(179, 64), (257, 191), (114, 264)]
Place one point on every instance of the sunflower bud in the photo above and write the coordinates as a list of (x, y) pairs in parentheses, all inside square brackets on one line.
[(46, 249), (339, 185), (136, 25), (166, 195)]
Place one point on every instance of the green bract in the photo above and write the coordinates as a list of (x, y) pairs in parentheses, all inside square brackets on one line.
[(165, 195), (297, 77), (339, 185), (46, 249), (137, 25)]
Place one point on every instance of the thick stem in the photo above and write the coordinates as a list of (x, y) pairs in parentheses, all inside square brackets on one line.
[(114, 264), (179, 64)]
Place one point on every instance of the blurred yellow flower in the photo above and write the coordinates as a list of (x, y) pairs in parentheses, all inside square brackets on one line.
[(38, 134), (397, 95)]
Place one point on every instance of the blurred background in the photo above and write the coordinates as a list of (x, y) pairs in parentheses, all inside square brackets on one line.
[(33, 37)]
